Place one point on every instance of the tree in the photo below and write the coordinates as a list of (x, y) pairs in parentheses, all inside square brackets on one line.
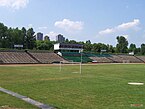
[(30, 39), (111, 49), (121, 47), (87, 46), (66, 41), (138, 51), (10, 38), (72, 42), (81, 42), (46, 38), (132, 48), (3, 35), (17, 36), (88, 42), (143, 49), (24, 33), (96, 47), (44, 45), (103, 46)]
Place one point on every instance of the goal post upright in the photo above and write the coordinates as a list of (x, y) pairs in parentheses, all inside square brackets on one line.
[(60, 68), (63, 63), (80, 68), (81, 61)]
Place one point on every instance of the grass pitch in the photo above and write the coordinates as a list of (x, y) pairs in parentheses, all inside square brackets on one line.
[(98, 87)]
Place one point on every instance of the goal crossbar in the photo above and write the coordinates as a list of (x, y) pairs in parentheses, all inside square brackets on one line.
[(70, 63)]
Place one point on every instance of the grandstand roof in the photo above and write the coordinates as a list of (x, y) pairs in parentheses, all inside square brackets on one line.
[(64, 46)]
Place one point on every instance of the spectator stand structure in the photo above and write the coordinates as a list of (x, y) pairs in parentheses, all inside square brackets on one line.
[(71, 52), (28, 57), (100, 58), (16, 57), (46, 57), (64, 53)]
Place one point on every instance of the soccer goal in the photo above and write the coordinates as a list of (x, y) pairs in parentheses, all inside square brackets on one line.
[(72, 67), (126, 61)]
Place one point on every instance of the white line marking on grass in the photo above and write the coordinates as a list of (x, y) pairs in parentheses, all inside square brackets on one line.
[(26, 99), (135, 83), (136, 105), (75, 72)]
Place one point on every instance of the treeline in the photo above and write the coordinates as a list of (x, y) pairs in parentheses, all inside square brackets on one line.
[(15, 36), (26, 37), (121, 46)]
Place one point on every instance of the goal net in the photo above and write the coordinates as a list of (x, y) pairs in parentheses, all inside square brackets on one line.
[(71, 67), (126, 61)]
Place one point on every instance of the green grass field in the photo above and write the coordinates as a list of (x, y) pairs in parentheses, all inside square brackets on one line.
[(98, 87)]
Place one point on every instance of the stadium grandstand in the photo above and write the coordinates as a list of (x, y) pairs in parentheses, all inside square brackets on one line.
[(71, 52), (64, 53), (45, 57), (16, 57), (28, 57), (107, 58)]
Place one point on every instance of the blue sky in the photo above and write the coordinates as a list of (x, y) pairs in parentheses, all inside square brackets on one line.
[(81, 20)]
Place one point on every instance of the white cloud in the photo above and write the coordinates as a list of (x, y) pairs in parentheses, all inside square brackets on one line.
[(14, 4), (107, 31), (126, 36), (125, 26), (69, 25), (122, 27), (30, 25), (52, 35)]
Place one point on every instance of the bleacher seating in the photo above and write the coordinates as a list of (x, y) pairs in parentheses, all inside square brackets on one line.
[(71, 54), (90, 54), (125, 59), (76, 57), (47, 57), (1, 61), (106, 58), (35, 57), (15, 57), (116, 59), (97, 55), (142, 58), (130, 58), (101, 59)]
